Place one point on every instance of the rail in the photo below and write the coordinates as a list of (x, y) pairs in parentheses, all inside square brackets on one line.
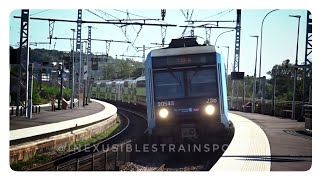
[(74, 165), (110, 159), (161, 168)]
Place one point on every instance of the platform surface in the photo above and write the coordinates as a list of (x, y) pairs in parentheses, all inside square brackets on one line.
[(47, 116), (248, 149), (53, 121), (291, 149)]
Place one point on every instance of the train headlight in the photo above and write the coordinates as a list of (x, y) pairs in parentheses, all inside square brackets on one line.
[(209, 109), (163, 113)]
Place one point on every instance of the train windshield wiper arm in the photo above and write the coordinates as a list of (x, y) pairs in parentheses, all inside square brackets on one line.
[(174, 76), (194, 74)]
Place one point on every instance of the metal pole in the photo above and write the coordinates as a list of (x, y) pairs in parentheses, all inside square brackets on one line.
[(220, 35), (236, 64), (80, 73), (30, 88), (274, 96), (61, 85), (89, 63), (244, 94), (255, 78), (84, 80), (227, 59), (87, 79), (261, 47), (72, 95), (295, 71), (23, 61), (143, 53)]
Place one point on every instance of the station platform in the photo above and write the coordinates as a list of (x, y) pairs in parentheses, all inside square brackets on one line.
[(54, 131), (52, 121), (47, 116), (266, 143)]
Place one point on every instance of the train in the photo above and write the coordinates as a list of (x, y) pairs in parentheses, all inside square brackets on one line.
[(183, 91)]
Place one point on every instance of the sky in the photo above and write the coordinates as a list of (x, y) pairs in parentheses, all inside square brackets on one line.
[(279, 32)]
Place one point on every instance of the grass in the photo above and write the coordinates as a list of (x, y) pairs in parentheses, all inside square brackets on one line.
[(105, 134), (24, 165), (40, 159)]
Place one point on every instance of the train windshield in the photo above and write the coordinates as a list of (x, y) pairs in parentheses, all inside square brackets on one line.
[(169, 84), (202, 82), (197, 82)]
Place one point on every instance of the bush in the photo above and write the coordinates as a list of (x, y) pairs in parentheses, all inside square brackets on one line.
[(67, 94)]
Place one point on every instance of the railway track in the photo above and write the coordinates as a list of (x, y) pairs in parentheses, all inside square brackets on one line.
[(98, 156), (177, 161)]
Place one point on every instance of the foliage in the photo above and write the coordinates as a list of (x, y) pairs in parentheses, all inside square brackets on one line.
[(105, 134), (47, 92), (247, 82), (122, 69), (284, 76), (23, 165), (67, 93)]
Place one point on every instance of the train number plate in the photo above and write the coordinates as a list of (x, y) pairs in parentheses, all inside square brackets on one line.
[(188, 132)]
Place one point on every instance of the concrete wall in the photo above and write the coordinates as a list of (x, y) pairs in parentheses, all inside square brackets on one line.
[(59, 143)]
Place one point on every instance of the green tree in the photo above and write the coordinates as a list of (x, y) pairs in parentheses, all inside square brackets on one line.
[(122, 69), (108, 71), (284, 75)]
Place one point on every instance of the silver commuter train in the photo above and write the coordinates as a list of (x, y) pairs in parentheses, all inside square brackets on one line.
[(184, 91)]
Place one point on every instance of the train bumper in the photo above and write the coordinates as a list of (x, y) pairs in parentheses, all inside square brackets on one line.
[(191, 130)]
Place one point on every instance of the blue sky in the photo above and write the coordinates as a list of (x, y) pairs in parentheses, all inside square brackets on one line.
[(279, 32)]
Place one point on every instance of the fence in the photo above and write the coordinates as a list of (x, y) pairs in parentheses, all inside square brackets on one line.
[(22, 110), (282, 108), (308, 116), (107, 160)]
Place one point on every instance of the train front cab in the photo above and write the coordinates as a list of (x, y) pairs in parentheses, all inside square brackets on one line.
[(188, 99)]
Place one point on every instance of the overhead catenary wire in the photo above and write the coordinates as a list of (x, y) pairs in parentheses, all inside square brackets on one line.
[(132, 44), (110, 22), (138, 15), (128, 16), (188, 18), (225, 11), (124, 31), (99, 16), (107, 14), (40, 12)]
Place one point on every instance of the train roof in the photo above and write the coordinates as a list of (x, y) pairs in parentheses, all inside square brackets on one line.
[(120, 80), (141, 78), (183, 46), (101, 81), (182, 51)]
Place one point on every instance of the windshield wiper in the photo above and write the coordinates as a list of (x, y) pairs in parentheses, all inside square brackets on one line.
[(174, 76), (194, 74)]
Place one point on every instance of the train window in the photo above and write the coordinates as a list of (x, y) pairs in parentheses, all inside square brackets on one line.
[(168, 85), (141, 83), (202, 82)]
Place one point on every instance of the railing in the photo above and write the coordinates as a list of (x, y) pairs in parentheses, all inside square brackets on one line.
[(282, 108), (308, 116), (22, 110), (107, 160)]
